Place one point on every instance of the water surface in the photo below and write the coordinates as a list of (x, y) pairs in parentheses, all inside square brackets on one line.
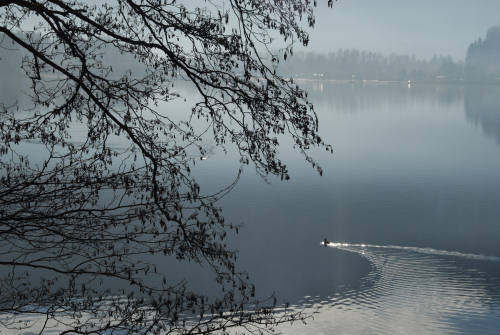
[(411, 197), (415, 171)]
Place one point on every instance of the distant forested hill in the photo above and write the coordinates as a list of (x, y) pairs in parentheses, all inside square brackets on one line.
[(483, 58)]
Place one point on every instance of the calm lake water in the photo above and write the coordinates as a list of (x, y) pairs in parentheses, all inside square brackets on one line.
[(413, 192), (411, 196)]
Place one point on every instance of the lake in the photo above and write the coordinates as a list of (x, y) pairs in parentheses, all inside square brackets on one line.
[(410, 200), (412, 191)]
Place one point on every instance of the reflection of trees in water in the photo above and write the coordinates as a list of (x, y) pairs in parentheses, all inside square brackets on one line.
[(364, 97), (482, 107)]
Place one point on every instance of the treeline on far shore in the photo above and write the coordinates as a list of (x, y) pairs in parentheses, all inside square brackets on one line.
[(481, 65)]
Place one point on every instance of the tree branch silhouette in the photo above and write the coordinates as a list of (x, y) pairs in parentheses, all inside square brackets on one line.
[(81, 223)]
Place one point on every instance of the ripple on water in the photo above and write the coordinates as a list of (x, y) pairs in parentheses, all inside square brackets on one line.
[(413, 290)]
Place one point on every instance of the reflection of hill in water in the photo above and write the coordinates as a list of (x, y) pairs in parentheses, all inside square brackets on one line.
[(359, 97), (482, 107)]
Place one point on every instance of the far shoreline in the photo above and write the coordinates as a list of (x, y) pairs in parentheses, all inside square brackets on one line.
[(376, 82)]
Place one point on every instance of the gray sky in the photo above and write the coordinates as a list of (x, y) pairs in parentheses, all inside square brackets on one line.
[(419, 27)]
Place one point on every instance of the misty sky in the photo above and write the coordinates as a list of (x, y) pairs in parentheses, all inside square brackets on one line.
[(419, 27)]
